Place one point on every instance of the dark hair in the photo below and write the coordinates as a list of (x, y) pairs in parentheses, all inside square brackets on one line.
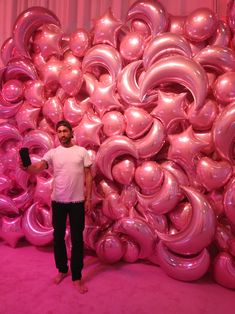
[(63, 123)]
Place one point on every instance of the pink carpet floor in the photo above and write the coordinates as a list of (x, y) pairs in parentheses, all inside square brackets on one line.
[(26, 288)]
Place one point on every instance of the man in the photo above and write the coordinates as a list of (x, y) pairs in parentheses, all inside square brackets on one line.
[(71, 167)]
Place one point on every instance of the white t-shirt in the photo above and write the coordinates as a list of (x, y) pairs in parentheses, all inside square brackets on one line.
[(68, 166)]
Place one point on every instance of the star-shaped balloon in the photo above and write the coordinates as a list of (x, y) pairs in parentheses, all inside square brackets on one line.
[(104, 99), (170, 108), (106, 29), (11, 230)]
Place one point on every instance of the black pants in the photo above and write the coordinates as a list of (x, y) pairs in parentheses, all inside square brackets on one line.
[(76, 214)]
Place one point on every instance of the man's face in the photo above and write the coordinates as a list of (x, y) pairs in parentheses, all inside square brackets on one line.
[(64, 135)]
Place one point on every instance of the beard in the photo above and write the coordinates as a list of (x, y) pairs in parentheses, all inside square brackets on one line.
[(65, 140)]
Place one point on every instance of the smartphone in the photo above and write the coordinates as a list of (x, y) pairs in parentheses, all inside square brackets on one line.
[(24, 155)]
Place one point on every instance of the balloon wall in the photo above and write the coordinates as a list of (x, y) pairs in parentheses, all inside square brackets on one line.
[(153, 100)]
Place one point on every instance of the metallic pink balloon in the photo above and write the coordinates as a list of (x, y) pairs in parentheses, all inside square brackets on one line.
[(181, 215), (132, 46), (113, 207), (222, 36), (138, 122), (7, 206), (139, 232), (34, 92), (11, 230), (224, 270), (27, 22), (129, 196), (150, 144), (23, 199), (221, 59), (7, 50), (200, 231), (200, 25), (163, 45), (5, 183), (106, 29), (71, 60), (34, 231), (152, 13), (43, 190), (38, 141), (224, 90), (53, 110), (229, 201), (177, 171), (230, 14), (47, 40), (183, 268), (50, 73), (12, 91), (223, 132), (20, 67), (216, 197), (106, 187), (113, 123), (149, 176), (177, 69), (104, 56), (177, 24), (165, 198), (109, 248), (170, 108), (71, 80), (79, 42), (87, 132), (213, 174), (222, 236), (27, 117), (9, 133), (73, 111), (123, 171), (131, 249), (111, 149), (140, 27), (205, 117)]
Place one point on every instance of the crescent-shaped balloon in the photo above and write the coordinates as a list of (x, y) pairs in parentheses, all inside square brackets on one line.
[(9, 133), (127, 85), (165, 199), (139, 231), (177, 69), (105, 56), (150, 144), (152, 13), (7, 112), (200, 231), (112, 148), (7, 206), (221, 59), (20, 67), (229, 201), (23, 200), (34, 232), (6, 50), (38, 141), (164, 45), (26, 24), (223, 132), (180, 267), (224, 270)]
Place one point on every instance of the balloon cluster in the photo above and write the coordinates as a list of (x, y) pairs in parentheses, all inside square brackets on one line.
[(153, 100)]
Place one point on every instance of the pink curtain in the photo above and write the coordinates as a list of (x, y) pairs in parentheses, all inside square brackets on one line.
[(81, 13)]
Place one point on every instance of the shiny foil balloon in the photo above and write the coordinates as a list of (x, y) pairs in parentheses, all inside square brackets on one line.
[(13, 90)]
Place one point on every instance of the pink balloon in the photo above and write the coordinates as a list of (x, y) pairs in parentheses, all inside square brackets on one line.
[(24, 199), (224, 90), (224, 270), (230, 14), (181, 215), (177, 69), (12, 91), (73, 110), (71, 60), (9, 133), (109, 248), (131, 249), (50, 73), (222, 236), (79, 42), (200, 231), (112, 148), (183, 268), (200, 24), (113, 123), (71, 80), (11, 230), (222, 35), (47, 41), (163, 45), (5, 183), (27, 22), (138, 122), (177, 171), (221, 59), (123, 171), (35, 93), (106, 29), (20, 67), (34, 231), (53, 110), (213, 174), (43, 190), (38, 141), (106, 187), (7, 50), (27, 117), (152, 13), (139, 232), (132, 46), (229, 201), (7, 206), (223, 132), (113, 207), (149, 176), (216, 197), (140, 27), (177, 24)]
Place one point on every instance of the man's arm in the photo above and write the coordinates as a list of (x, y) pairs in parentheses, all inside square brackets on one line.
[(36, 167)]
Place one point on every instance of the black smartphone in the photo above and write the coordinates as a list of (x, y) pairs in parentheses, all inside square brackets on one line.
[(24, 155)]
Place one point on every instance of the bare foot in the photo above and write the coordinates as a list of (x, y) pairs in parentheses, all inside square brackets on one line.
[(59, 277), (78, 284)]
